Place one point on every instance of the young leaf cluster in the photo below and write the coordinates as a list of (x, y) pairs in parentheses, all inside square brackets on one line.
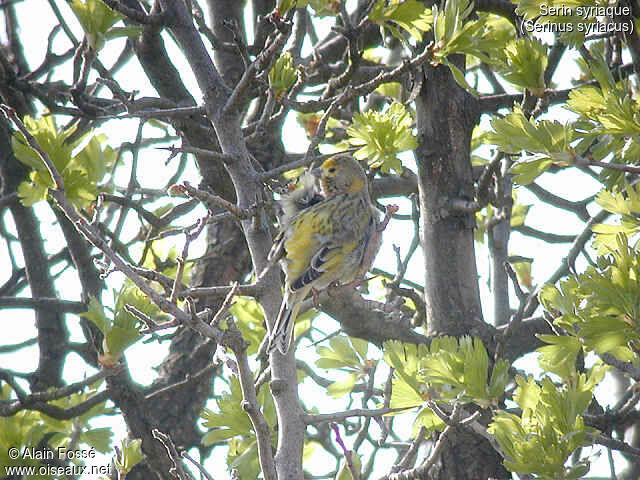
[(283, 75), (98, 22), (130, 455), (608, 119), (548, 141), (380, 136), (607, 127), (549, 428), (624, 202), (30, 429), (450, 369), (81, 170), (523, 64), (410, 15), (122, 329), (345, 353), (231, 424), (601, 307)]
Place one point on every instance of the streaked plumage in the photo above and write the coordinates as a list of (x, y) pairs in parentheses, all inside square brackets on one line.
[(325, 243), (304, 196)]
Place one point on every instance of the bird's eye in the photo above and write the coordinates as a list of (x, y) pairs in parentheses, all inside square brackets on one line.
[(332, 170)]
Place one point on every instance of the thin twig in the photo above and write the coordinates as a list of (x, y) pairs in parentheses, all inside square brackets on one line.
[(198, 465), (178, 469), (318, 136), (348, 454), (311, 419), (225, 158), (54, 304), (225, 305), (137, 16), (207, 197), (234, 341), (187, 380), (367, 87), (190, 236), (409, 457), (95, 238)]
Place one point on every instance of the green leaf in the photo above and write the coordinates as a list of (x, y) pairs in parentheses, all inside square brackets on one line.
[(231, 416), (32, 193), (550, 428), (392, 90), (405, 359), (599, 307), (458, 76), (452, 370), (96, 315), (51, 139), (243, 457), (283, 75), (560, 355), (215, 436), (250, 320), (322, 8), (80, 172), (96, 19), (525, 61), (98, 438), (360, 346), (455, 33), (344, 473), (341, 354), (550, 142), (429, 420), (404, 395), (410, 15), (563, 301), (308, 451), (284, 6), (96, 158), (130, 31), (342, 388), (381, 136), (523, 272), (130, 455), (499, 380)]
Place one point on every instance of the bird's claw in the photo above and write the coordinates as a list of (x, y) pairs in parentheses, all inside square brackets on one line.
[(316, 297)]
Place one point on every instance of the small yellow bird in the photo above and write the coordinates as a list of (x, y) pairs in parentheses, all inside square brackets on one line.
[(326, 243)]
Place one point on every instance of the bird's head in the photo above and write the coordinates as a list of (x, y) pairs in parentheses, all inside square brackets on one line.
[(341, 174)]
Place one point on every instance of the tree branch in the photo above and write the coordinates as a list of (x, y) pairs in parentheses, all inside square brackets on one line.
[(312, 419), (53, 304)]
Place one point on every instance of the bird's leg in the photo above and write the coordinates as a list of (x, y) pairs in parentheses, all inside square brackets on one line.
[(388, 212), (316, 297)]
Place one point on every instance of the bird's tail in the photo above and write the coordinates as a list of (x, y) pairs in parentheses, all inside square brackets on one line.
[(280, 337)]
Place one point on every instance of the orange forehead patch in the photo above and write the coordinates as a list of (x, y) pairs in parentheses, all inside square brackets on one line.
[(330, 162)]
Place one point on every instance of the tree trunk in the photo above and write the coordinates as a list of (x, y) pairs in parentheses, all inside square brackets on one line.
[(446, 115)]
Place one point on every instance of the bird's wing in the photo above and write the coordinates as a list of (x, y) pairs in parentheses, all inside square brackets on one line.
[(327, 259), (313, 247)]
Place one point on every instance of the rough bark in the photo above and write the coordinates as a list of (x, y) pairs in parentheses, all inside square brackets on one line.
[(446, 115)]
